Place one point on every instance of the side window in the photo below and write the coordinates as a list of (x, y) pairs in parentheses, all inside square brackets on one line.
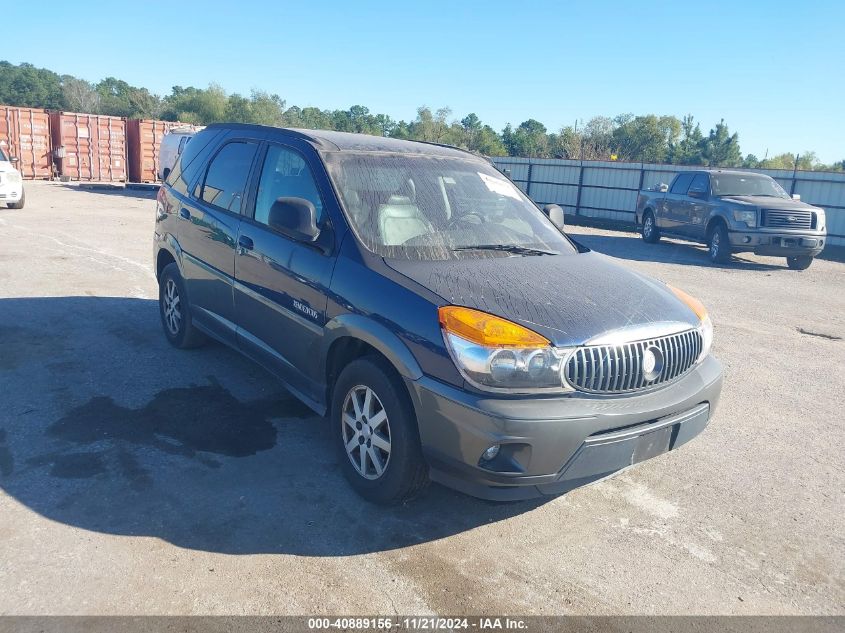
[(226, 179), (285, 175), (699, 183), (182, 143), (682, 183)]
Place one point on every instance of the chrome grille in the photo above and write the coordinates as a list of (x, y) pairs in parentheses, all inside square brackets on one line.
[(619, 368), (777, 219)]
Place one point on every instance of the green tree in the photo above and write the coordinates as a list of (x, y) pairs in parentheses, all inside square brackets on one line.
[(489, 143), (645, 138), (79, 95), (688, 150), (750, 162), (195, 105), (529, 139), (30, 87), (721, 148)]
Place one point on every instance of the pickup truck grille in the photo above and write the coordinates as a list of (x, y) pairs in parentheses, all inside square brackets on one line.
[(778, 219), (620, 368)]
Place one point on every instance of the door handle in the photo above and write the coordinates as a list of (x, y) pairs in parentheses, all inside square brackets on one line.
[(244, 244), (184, 213)]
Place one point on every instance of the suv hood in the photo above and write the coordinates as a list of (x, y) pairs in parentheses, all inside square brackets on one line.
[(787, 204), (569, 299)]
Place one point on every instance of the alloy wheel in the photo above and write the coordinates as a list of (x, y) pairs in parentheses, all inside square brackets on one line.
[(648, 227), (715, 244), (172, 313), (366, 432)]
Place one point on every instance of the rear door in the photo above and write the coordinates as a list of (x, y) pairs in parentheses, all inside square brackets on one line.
[(209, 221), (281, 284)]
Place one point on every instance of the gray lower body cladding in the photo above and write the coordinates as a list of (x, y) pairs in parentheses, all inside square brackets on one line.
[(552, 445)]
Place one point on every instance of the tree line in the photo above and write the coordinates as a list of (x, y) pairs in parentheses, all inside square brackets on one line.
[(646, 138)]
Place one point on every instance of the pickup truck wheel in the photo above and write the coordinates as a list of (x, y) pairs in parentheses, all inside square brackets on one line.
[(650, 232), (376, 431), (799, 262), (719, 245), (175, 310), (19, 204)]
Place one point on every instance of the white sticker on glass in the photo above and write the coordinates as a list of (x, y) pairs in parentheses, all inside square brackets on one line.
[(499, 185)]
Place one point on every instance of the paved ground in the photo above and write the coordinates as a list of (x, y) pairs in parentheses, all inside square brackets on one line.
[(135, 478)]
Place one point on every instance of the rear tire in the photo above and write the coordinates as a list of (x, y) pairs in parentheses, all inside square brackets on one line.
[(650, 232), (19, 204), (175, 310), (799, 262), (719, 244), (376, 433)]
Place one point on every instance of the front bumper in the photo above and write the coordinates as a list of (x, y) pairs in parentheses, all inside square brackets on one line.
[(778, 244), (552, 445), (10, 191)]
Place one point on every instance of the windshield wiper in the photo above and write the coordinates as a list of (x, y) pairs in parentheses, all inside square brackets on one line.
[(507, 248)]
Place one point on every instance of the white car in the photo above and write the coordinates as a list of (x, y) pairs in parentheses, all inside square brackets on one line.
[(171, 147), (11, 182)]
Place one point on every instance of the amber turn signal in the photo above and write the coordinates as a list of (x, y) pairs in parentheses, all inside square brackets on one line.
[(488, 330), (692, 303)]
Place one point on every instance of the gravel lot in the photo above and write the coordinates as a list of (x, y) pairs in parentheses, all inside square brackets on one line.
[(138, 479)]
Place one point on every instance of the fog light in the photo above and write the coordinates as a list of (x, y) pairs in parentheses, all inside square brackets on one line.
[(746, 239), (490, 453)]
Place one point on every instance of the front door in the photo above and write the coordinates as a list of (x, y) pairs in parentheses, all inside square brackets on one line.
[(673, 211), (208, 232), (281, 285), (697, 207)]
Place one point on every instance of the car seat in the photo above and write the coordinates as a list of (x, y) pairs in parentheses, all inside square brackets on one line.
[(400, 220)]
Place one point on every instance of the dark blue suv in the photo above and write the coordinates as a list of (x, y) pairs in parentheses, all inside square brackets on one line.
[(446, 326)]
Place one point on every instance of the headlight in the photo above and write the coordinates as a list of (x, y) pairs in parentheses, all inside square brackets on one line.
[(820, 223), (749, 217), (705, 325), (496, 354)]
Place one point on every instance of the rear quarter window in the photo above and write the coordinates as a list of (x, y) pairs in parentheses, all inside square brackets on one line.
[(191, 160)]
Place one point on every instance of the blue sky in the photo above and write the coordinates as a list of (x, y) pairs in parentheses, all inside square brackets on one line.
[(773, 70)]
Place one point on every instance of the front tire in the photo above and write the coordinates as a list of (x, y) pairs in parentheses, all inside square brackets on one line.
[(650, 232), (799, 262), (19, 204), (719, 245), (376, 432), (175, 310)]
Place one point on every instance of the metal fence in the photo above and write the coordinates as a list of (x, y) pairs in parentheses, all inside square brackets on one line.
[(608, 190)]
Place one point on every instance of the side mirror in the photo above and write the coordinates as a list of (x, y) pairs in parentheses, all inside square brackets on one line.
[(663, 187), (294, 217), (796, 196), (507, 173), (697, 194), (555, 214), (13, 159)]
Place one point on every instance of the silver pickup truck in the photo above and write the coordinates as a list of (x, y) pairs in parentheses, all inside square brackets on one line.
[(733, 211)]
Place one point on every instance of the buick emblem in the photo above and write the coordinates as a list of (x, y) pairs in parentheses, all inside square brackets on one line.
[(652, 363)]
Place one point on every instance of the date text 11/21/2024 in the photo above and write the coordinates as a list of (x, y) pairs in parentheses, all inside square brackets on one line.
[(422, 623)]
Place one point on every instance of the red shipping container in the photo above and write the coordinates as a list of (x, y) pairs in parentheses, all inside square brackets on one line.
[(25, 133), (143, 140), (89, 146)]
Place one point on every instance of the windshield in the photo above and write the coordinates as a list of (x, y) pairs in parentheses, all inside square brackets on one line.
[(746, 185), (433, 208), (2, 156)]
